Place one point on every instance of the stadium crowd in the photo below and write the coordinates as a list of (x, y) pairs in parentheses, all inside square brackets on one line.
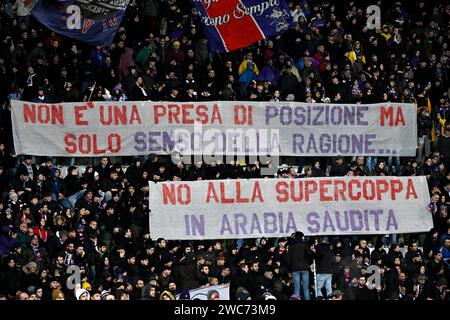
[(98, 219)]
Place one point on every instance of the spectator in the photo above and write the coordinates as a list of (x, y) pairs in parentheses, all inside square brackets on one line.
[(362, 292), (298, 261), (437, 267), (445, 250), (322, 252)]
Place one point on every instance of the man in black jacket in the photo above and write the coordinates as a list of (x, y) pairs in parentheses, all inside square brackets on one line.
[(256, 280), (339, 168), (74, 187), (414, 259), (324, 266), (26, 167), (24, 187), (298, 262), (241, 279), (362, 292), (103, 169)]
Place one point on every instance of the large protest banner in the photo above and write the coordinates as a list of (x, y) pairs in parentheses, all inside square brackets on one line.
[(213, 128), (91, 21), (231, 209), (234, 24)]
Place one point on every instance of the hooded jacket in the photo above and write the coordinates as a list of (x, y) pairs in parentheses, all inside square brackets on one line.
[(244, 66), (248, 75), (352, 55), (166, 293), (146, 293), (29, 278), (324, 256), (298, 256), (187, 274), (134, 173), (120, 96)]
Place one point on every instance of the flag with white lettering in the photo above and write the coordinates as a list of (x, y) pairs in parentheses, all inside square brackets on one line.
[(94, 22), (234, 24)]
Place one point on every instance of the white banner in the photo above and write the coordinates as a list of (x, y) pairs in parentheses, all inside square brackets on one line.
[(202, 293), (213, 128), (233, 209)]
